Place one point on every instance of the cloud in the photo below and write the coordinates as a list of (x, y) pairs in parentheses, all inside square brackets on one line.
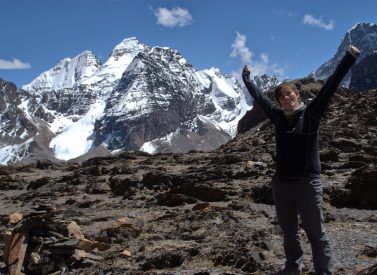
[(318, 22), (15, 64), (257, 67), (174, 17), (240, 49)]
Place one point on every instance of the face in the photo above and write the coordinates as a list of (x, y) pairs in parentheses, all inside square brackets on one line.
[(289, 100)]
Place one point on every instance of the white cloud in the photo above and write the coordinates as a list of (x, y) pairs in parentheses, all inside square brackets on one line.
[(257, 66), (240, 49), (318, 22), (174, 17), (13, 64)]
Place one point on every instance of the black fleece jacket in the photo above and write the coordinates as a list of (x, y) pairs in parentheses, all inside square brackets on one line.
[(297, 150)]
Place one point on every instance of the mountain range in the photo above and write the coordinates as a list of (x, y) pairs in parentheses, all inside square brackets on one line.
[(141, 98)]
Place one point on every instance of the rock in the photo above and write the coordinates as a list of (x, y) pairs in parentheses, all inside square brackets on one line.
[(87, 203), (95, 170), (262, 194), (98, 188), (124, 228), (122, 185), (361, 157), (8, 183), (126, 253), (346, 145), (15, 218), (44, 164), (363, 185), (15, 251), (173, 199), (4, 171), (39, 183), (247, 261), (156, 178), (35, 258), (69, 244), (83, 243), (340, 197), (163, 259), (75, 230), (73, 166), (81, 254), (254, 165), (203, 206), (368, 271), (352, 165), (200, 191), (369, 251), (329, 155), (230, 159)]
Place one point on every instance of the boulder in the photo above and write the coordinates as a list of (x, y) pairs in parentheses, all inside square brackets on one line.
[(363, 185)]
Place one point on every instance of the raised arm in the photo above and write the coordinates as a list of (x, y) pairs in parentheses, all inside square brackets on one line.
[(268, 106), (318, 106)]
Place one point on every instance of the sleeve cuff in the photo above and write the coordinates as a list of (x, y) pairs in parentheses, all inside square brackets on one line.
[(353, 54)]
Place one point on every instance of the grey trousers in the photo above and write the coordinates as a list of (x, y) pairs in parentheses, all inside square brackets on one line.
[(302, 196)]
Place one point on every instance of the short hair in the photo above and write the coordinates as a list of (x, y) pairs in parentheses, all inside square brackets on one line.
[(283, 88)]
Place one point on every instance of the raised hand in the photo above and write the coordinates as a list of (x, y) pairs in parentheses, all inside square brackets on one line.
[(353, 50), (246, 71)]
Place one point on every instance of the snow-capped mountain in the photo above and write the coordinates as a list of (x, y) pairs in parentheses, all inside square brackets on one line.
[(161, 93), (76, 102), (363, 36), (142, 97)]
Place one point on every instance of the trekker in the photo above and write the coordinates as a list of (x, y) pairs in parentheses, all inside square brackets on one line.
[(296, 185)]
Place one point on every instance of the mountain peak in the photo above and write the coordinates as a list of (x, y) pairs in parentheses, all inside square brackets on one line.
[(66, 73), (361, 35), (128, 45), (361, 25), (111, 71)]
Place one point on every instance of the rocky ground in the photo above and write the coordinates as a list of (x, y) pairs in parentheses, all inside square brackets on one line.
[(200, 212)]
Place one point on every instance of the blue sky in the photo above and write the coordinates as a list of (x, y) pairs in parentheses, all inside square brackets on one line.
[(287, 38)]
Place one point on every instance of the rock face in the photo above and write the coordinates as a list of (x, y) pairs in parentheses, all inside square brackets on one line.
[(204, 212), (16, 122), (363, 36), (24, 131), (364, 73)]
